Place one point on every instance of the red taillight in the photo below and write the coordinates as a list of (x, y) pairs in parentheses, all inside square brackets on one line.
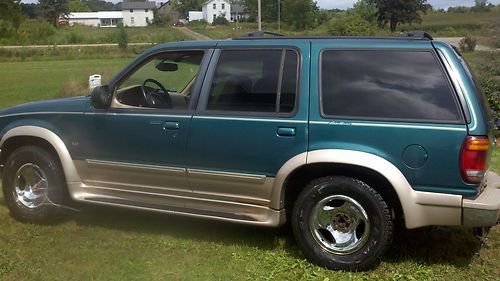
[(473, 158)]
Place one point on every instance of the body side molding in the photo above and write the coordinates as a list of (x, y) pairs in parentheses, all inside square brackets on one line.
[(67, 164), (419, 208)]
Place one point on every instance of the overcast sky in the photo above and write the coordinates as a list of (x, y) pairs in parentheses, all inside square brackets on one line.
[(342, 4)]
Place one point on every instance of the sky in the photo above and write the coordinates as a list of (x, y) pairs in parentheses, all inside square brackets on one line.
[(343, 4)]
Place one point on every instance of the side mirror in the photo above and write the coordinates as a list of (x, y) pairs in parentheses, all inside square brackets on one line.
[(101, 97)]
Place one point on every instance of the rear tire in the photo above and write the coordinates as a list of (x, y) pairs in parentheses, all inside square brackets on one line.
[(342, 223), (32, 182)]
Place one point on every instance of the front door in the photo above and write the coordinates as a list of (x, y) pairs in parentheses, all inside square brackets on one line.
[(251, 119), (137, 148)]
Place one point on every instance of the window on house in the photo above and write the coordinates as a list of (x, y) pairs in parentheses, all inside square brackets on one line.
[(223, 6), (255, 81), (131, 10), (147, 20), (132, 21), (146, 10), (214, 16), (214, 6), (381, 84)]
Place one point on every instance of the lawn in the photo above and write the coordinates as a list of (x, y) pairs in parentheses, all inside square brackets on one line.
[(115, 244), (483, 24)]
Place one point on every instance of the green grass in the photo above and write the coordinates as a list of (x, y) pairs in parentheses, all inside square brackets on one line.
[(112, 244), (483, 24), (22, 82)]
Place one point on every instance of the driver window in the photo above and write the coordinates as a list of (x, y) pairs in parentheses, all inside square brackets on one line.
[(163, 81)]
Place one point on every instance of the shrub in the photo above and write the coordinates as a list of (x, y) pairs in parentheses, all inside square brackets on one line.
[(74, 38), (196, 23), (220, 20), (122, 37), (349, 24), (467, 44)]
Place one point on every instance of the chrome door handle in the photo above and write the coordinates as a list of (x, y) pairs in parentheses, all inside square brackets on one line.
[(286, 131)]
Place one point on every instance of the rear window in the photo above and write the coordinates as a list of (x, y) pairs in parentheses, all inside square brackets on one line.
[(382, 84)]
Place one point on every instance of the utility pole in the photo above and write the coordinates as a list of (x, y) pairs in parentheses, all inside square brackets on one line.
[(279, 16), (259, 15)]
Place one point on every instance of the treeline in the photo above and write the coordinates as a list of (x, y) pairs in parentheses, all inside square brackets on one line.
[(33, 11)]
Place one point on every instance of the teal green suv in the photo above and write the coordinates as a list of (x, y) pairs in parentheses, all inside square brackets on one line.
[(340, 137)]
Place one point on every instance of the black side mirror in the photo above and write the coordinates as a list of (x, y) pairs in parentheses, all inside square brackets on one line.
[(101, 97)]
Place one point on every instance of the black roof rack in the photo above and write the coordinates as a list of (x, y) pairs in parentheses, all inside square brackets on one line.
[(261, 34), (418, 34), (412, 35)]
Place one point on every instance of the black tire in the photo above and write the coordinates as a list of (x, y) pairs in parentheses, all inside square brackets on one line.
[(319, 244), (44, 211)]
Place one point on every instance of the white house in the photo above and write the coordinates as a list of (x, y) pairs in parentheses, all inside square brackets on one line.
[(195, 15), (137, 13), (212, 9), (132, 14), (98, 19)]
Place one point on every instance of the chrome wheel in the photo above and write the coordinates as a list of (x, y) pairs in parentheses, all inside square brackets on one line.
[(339, 224), (30, 186)]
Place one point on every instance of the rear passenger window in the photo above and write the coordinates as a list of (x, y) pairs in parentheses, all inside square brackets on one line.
[(255, 81), (397, 85)]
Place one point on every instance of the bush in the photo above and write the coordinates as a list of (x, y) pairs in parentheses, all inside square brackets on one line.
[(349, 24), (467, 44), (74, 38), (122, 37), (196, 23), (220, 20)]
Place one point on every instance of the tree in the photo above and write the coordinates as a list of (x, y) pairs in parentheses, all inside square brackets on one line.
[(78, 6), (366, 10), (350, 24), (395, 12), (300, 14), (53, 9), (269, 9), (184, 6), (10, 16)]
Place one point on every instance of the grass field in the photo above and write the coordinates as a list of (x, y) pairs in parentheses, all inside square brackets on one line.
[(40, 33), (484, 25), (111, 244)]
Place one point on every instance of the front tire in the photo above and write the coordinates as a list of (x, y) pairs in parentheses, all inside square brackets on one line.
[(342, 223), (32, 182)]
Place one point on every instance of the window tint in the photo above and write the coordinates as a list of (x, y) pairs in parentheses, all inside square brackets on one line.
[(254, 81), (399, 85)]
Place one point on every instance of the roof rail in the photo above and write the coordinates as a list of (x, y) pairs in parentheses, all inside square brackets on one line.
[(418, 34), (260, 34)]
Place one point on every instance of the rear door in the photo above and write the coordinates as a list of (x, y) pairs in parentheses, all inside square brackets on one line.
[(250, 120), (391, 98)]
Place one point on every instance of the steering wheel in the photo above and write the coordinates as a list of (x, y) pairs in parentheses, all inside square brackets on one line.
[(155, 98)]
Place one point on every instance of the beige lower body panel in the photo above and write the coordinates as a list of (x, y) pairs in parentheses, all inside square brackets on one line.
[(167, 190)]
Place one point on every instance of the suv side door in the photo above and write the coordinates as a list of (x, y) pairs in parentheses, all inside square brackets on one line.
[(250, 120), (136, 150)]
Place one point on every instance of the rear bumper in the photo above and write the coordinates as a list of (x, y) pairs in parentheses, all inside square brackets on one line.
[(485, 209)]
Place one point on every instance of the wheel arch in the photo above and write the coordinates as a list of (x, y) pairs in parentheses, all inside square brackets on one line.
[(43, 137), (416, 207)]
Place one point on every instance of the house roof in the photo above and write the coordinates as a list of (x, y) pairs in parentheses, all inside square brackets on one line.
[(209, 1), (110, 14), (83, 15), (97, 15), (138, 5), (237, 8)]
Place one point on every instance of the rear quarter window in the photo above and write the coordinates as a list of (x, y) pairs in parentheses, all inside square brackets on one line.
[(386, 85)]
